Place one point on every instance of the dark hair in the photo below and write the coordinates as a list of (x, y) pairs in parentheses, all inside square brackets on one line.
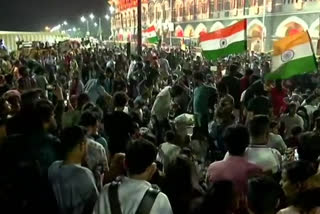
[(140, 155), (259, 125), (299, 171), (199, 76), (170, 135), (263, 194), (82, 100), (88, 118), (43, 110), (219, 198), (176, 90), (273, 124), (178, 175), (120, 99), (236, 139), (71, 137), (233, 69), (309, 147), (307, 200), (248, 72)]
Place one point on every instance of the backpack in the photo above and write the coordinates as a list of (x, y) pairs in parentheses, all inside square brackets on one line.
[(144, 207)]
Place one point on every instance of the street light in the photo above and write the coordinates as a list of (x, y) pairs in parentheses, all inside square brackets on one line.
[(83, 20), (74, 29), (91, 16), (65, 23), (107, 17), (111, 8), (47, 28), (95, 24)]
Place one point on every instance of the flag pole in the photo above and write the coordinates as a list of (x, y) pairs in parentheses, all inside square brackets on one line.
[(263, 27)]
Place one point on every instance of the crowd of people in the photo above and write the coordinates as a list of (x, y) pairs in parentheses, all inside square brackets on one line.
[(94, 130)]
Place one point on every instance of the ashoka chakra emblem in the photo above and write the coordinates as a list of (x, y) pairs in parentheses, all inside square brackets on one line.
[(223, 43), (287, 56)]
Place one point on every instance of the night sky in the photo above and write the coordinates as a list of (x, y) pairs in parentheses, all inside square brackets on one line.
[(34, 15)]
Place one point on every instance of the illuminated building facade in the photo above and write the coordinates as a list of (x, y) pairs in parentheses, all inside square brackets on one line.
[(268, 20)]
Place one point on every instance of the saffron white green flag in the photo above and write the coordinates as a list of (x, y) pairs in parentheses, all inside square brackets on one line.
[(151, 35), (226, 41), (292, 55)]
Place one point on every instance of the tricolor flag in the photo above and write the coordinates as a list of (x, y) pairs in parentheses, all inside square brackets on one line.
[(221, 43), (292, 55), (151, 35)]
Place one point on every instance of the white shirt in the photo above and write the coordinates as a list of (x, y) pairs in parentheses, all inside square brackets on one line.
[(162, 104), (276, 142), (291, 122), (130, 194), (267, 158)]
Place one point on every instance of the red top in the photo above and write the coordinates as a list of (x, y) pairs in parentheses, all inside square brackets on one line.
[(277, 99)]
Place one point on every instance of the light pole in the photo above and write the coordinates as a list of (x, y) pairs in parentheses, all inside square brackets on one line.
[(83, 19), (139, 48)]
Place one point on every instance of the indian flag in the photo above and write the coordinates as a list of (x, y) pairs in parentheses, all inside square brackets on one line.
[(151, 35), (292, 55), (221, 43)]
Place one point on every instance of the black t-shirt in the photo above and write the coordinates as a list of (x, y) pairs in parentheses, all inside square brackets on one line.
[(118, 127), (260, 105)]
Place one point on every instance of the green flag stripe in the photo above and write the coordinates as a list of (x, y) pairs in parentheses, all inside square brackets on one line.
[(153, 39), (293, 68), (233, 48)]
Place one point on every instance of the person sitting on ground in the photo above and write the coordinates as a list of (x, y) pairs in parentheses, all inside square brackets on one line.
[(130, 195), (263, 195), (234, 167), (73, 185), (275, 140)]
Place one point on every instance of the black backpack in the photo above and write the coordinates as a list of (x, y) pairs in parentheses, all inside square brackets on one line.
[(144, 207)]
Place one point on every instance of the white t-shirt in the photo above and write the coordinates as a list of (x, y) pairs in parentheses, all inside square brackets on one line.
[(162, 104), (130, 194)]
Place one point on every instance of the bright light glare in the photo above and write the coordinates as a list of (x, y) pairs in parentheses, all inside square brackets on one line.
[(83, 19), (91, 16), (65, 23), (111, 8), (95, 24), (74, 29), (107, 17)]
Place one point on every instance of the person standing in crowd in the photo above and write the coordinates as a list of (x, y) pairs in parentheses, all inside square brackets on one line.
[(235, 167), (204, 99), (96, 156), (161, 108), (118, 125), (257, 152), (233, 84), (278, 95), (275, 140), (264, 195), (73, 185), (292, 119), (133, 193), (245, 80)]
